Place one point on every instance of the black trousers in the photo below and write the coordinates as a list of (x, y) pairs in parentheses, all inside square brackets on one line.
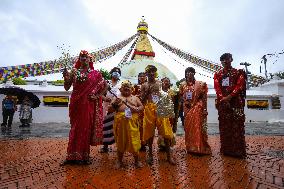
[(8, 117), (181, 115)]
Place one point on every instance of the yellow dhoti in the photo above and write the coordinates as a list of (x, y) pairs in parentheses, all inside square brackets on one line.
[(151, 121), (126, 133)]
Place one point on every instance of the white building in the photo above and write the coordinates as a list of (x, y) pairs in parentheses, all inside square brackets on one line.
[(46, 113), (52, 109)]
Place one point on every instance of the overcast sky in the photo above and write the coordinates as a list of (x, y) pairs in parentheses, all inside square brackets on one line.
[(30, 30)]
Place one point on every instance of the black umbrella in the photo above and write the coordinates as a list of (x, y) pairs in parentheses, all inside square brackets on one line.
[(20, 93)]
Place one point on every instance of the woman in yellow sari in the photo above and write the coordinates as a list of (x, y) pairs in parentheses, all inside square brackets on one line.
[(194, 94)]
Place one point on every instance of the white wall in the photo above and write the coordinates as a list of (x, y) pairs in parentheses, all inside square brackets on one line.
[(61, 114), (44, 114), (49, 113), (212, 111), (277, 87)]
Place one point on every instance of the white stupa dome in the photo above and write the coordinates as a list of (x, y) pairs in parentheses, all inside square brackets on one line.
[(130, 70)]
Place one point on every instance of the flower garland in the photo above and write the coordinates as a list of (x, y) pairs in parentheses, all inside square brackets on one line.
[(81, 77)]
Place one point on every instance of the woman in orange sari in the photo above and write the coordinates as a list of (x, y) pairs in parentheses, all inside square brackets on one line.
[(194, 94)]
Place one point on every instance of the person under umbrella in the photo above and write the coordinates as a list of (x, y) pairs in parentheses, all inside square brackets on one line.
[(8, 109), (27, 100), (26, 112), (20, 93)]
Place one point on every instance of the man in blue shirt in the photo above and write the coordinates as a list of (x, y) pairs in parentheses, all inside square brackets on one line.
[(8, 110)]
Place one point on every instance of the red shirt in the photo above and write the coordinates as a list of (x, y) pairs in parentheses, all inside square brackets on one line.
[(230, 82)]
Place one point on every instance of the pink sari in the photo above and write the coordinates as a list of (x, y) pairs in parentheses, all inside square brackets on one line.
[(85, 117), (195, 123)]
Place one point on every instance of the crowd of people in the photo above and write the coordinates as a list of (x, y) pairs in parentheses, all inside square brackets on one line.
[(129, 116)]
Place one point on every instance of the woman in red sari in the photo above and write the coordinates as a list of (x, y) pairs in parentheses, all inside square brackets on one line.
[(85, 109), (194, 94)]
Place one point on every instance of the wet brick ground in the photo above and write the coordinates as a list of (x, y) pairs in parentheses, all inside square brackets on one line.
[(57, 130), (27, 161)]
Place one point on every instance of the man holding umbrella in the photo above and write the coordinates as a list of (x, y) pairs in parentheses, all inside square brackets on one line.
[(8, 109)]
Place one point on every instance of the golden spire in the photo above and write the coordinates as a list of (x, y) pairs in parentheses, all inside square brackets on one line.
[(142, 26), (143, 49)]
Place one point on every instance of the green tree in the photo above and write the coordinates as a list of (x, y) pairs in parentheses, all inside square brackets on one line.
[(105, 74), (280, 74), (19, 81)]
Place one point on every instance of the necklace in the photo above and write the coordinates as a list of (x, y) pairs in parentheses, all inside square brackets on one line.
[(82, 76), (227, 72), (190, 87)]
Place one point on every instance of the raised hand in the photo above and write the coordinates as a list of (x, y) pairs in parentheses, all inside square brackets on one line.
[(66, 74)]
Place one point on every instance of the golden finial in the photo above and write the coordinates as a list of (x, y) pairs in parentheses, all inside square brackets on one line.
[(142, 26)]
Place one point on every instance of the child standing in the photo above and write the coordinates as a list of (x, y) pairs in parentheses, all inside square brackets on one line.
[(126, 123)]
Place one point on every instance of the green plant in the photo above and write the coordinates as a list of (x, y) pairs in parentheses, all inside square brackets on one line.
[(280, 74), (19, 81), (58, 82), (105, 74), (179, 82)]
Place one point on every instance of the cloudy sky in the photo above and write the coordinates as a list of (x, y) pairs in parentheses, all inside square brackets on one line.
[(31, 30)]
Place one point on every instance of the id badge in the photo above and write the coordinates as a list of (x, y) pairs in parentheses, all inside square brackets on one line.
[(155, 98), (226, 82), (128, 113), (188, 95)]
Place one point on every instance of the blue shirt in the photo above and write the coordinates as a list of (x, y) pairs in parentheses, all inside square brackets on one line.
[(8, 104)]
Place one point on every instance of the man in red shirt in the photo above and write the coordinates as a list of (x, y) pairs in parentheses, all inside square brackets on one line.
[(230, 86)]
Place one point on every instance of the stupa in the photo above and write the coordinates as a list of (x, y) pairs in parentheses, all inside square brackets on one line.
[(142, 56)]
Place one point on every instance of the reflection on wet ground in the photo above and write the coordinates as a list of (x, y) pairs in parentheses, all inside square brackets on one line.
[(34, 163), (42, 130), (30, 158), (57, 130)]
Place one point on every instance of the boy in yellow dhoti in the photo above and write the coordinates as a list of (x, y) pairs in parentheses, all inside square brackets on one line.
[(126, 127), (150, 93)]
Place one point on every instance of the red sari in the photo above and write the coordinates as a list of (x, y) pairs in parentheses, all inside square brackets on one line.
[(231, 117), (195, 123), (85, 117)]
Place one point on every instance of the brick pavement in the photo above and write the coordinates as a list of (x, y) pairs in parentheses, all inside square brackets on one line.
[(58, 130), (34, 163)]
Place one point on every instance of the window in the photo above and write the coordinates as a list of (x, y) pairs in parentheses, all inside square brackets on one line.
[(56, 101), (258, 104)]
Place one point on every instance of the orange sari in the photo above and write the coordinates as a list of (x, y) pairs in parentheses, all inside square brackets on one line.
[(195, 123)]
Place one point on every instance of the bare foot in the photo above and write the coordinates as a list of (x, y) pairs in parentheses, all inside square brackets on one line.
[(87, 162), (171, 161), (68, 162), (138, 164), (119, 165), (104, 150), (150, 160)]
